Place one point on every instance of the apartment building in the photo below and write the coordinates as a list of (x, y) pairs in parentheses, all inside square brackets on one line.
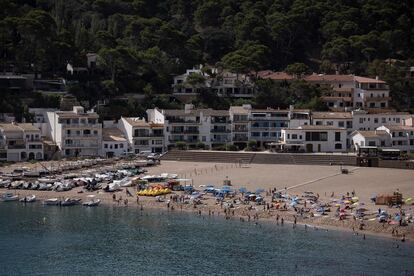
[(142, 135), (219, 124), (76, 132), (372, 119), (335, 119), (313, 138), (402, 136), (341, 92), (20, 142), (240, 125), (227, 85), (371, 93)]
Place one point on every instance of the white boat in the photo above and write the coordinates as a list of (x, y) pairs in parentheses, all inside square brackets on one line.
[(52, 201), (114, 186), (70, 202), (29, 198), (9, 197), (92, 201), (47, 180), (5, 183), (125, 182)]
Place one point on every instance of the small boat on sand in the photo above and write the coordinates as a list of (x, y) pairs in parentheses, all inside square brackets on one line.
[(92, 201), (52, 202), (70, 202), (29, 198), (9, 197)]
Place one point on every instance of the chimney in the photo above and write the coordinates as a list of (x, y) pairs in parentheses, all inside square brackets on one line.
[(376, 77)]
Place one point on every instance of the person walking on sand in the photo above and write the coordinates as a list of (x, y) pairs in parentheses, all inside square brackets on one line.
[(282, 221), (114, 197)]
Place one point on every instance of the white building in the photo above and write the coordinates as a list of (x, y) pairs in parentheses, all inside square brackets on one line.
[(142, 135), (76, 132), (228, 84), (370, 120), (314, 139), (402, 137), (20, 142), (371, 138), (114, 143)]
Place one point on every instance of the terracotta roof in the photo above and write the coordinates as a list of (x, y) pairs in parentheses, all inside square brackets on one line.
[(332, 115), (28, 127), (398, 127), (313, 127), (371, 133), (113, 134), (181, 112), (329, 78), (71, 114), (136, 122), (367, 80), (213, 112), (239, 110), (10, 127), (277, 76)]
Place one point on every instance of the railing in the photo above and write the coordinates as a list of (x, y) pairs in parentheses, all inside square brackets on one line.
[(16, 146), (76, 145), (240, 139), (240, 130), (220, 131), (74, 135), (183, 122)]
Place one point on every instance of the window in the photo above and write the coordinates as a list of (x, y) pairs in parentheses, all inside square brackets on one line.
[(329, 123), (341, 124), (106, 146), (294, 136), (371, 143), (116, 146), (338, 146), (87, 132), (376, 120), (361, 120), (121, 146), (337, 136), (383, 120), (397, 120), (316, 136)]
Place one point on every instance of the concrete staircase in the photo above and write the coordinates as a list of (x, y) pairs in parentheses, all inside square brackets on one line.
[(259, 158), (209, 156)]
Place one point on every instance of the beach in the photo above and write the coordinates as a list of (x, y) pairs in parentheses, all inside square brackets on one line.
[(291, 179)]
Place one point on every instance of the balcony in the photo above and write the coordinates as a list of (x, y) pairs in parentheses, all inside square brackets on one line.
[(34, 140), (377, 99), (178, 121), (185, 131), (240, 129), (18, 146), (74, 135), (80, 145), (240, 139), (220, 130), (81, 126)]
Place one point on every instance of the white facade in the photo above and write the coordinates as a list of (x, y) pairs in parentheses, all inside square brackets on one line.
[(314, 139), (371, 138), (143, 136), (76, 132), (229, 84), (402, 137), (20, 142), (114, 143), (363, 120)]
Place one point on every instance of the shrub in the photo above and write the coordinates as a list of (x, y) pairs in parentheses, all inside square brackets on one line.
[(232, 148), (181, 145)]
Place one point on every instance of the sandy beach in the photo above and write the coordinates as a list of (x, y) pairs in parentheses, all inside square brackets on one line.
[(322, 180)]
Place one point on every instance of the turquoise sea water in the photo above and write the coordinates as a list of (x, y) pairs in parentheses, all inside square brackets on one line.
[(48, 240)]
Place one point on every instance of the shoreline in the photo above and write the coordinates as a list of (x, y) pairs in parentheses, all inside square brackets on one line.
[(209, 208)]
